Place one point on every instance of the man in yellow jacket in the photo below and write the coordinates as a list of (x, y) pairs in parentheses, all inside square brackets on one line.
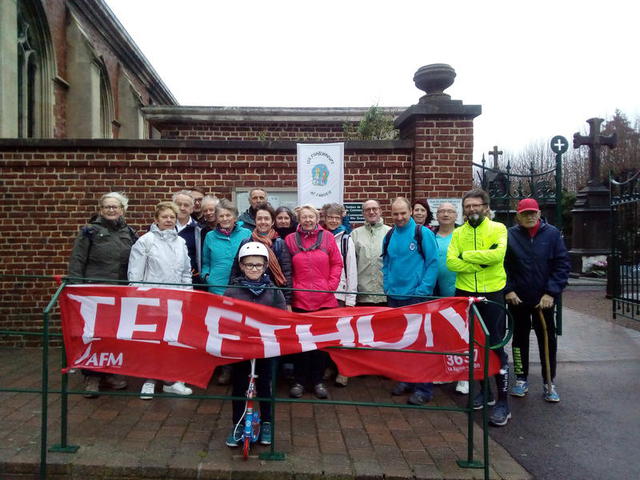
[(476, 253)]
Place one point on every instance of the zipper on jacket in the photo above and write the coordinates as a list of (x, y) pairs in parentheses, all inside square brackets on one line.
[(475, 247)]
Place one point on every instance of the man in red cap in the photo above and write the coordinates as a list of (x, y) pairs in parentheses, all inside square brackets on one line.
[(537, 265)]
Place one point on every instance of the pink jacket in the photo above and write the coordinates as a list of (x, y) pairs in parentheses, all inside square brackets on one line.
[(317, 269)]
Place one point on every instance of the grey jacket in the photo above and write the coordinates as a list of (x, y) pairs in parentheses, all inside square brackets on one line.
[(101, 250)]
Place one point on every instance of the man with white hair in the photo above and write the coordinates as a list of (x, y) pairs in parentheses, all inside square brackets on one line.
[(367, 240)]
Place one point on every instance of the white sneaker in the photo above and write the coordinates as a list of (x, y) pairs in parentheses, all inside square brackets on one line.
[(148, 389), (178, 387), (463, 387)]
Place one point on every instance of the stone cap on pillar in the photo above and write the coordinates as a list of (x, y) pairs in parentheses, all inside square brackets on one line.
[(434, 79)]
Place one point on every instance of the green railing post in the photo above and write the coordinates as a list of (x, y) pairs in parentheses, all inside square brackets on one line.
[(44, 418), (63, 447), (272, 454), (470, 462)]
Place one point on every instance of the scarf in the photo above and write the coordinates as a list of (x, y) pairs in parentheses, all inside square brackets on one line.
[(225, 231), (284, 231), (341, 228), (255, 286), (274, 266)]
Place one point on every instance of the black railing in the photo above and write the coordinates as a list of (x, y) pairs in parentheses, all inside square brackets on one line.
[(624, 268)]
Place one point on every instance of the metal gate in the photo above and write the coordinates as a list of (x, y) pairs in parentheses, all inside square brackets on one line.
[(624, 266), (506, 189)]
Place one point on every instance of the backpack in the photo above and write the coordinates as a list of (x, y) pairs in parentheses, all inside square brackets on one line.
[(417, 236), (344, 248), (316, 245)]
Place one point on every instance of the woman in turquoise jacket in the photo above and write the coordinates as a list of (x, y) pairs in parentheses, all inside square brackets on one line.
[(221, 246)]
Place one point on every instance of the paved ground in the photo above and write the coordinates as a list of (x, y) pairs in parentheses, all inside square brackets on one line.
[(592, 433)]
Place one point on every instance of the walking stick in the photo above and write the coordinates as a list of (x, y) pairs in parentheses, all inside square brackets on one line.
[(547, 366)]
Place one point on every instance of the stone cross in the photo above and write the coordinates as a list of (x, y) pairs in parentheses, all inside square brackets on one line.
[(494, 153), (594, 141)]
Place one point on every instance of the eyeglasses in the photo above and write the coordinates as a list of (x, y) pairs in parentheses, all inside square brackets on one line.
[(333, 217), (476, 205), (453, 212), (111, 207), (254, 266)]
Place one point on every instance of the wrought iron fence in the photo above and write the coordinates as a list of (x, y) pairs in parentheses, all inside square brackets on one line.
[(506, 188), (624, 264)]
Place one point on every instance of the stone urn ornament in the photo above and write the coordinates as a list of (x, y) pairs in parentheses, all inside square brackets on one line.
[(434, 79)]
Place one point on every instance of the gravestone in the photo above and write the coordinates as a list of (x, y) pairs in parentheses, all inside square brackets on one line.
[(591, 240)]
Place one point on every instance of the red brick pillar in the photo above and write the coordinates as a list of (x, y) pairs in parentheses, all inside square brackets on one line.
[(442, 130)]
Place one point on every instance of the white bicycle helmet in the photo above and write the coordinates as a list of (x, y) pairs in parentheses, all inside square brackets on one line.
[(253, 248)]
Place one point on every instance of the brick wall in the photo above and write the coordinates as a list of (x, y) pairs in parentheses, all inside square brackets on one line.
[(51, 188), (443, 157), (292, 131)]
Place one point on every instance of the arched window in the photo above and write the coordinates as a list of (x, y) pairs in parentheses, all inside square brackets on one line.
[(35, 72)]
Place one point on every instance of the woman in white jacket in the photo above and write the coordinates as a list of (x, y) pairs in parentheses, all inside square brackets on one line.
[(161, 256), (333, 214)]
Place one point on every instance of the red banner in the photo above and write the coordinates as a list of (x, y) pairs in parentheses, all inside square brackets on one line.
[(182, 335)]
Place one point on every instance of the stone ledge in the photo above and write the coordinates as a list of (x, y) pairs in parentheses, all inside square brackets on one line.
[(92, 144)]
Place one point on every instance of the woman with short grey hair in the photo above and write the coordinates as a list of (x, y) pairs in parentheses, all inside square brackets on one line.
[(101, 253), (220, 247)]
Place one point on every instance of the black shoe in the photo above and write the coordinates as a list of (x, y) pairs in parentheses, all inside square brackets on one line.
[(417, 398), (401, 388), (478, 401), (320, 391), (296, 390)]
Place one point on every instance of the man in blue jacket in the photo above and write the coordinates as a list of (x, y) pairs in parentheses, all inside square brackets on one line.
[(537, 265), (409, 273)]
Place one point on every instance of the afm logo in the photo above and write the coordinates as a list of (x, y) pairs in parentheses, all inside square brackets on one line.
[(104, 359)]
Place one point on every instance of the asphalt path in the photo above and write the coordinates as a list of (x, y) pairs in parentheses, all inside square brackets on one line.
[(594, 432)]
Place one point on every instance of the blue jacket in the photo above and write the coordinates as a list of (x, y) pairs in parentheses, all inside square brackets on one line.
[(218, 253), (405, 272), (537, 265)]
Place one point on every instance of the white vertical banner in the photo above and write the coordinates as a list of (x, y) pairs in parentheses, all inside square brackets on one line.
[(320, 173)]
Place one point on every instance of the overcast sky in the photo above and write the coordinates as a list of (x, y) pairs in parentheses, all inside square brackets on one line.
[(538, 69)]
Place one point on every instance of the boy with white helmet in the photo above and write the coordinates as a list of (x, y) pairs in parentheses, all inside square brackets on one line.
[(253, 285)]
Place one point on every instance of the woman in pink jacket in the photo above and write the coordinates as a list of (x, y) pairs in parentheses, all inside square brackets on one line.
[(316, 265)]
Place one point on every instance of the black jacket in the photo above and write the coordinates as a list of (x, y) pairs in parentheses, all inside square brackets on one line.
[(269, 297)]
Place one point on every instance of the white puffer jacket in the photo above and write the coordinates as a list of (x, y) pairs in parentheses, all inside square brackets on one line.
[(160, 256)]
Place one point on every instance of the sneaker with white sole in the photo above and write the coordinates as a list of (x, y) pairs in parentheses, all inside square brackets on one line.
[(478, 401), (520, 389), (233, 439), (500, 414), (265, 433), (463, 387), (551, 394), (178, 388), (148, 389)]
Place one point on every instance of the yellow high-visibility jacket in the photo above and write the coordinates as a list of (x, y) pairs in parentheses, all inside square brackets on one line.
[(477, 255)]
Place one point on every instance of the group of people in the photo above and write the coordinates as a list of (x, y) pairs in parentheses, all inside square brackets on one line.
[(320, 262)]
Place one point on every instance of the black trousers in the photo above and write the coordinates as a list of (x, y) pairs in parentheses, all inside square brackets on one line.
[(494, 318), (524, 317), (240, 378), (309, 366)]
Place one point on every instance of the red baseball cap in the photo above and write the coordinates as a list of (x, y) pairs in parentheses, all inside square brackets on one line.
[(528, 205)]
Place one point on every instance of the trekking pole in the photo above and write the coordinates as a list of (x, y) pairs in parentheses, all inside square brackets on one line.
[(547, 366)]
